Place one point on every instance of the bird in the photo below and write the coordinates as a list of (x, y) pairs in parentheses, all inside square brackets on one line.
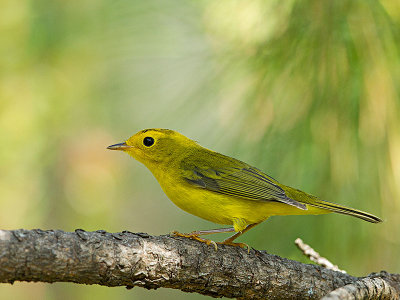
[(219, 188)]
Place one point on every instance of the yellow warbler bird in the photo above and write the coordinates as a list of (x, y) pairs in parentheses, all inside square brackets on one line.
[(219, 188)]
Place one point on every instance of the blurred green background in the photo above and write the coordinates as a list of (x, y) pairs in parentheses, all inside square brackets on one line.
[(307, 91)]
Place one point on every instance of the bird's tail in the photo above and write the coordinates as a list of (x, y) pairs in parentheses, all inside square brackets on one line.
[(344, 210)]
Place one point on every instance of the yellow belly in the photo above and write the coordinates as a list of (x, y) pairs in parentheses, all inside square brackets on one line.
[(223, 209)]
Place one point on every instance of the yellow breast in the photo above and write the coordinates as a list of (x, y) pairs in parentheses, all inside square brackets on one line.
[(224, 209)]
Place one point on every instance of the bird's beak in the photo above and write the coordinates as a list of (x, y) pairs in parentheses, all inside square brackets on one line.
[(120, 146)]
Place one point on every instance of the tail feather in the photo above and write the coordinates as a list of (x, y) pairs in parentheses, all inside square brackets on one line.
[(345, 210)]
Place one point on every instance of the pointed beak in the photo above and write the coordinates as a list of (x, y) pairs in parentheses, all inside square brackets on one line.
[(120, 146)]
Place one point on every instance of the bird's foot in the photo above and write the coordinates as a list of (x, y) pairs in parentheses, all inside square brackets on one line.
[(241, 245), (195, 236)]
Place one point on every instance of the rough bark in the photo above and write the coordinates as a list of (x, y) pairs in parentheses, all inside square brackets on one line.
[(366, 288), (138, 259)]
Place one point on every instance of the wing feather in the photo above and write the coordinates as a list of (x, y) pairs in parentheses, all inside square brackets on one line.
[(241, 181)]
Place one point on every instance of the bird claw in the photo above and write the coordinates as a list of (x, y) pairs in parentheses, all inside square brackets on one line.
[(195, 236), (241, 245)]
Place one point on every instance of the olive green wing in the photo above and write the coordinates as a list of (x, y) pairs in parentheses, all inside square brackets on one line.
[(240, 180)]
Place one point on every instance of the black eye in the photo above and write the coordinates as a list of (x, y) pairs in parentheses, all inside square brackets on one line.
[(148, 141)]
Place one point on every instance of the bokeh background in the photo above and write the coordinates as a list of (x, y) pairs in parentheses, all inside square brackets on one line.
[(307, 91)]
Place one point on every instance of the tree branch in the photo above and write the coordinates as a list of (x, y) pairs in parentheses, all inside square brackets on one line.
[(366, 288), (315, 256), (138, 259)]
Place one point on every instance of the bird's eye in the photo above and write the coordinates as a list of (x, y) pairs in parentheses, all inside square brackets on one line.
[(148, 141)]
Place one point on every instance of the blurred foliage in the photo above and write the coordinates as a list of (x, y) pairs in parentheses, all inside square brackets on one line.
[(307, 91)]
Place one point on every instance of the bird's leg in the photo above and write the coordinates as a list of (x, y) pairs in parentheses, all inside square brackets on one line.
[(203, 232), (229, 241), (194, 235)]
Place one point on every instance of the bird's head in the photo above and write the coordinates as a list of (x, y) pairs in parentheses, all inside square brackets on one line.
[(155, 146)]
